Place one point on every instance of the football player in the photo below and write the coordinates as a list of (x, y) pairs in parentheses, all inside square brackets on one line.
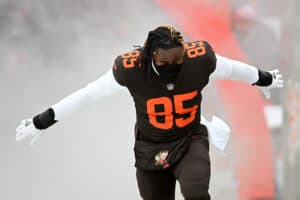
[(165, 78)]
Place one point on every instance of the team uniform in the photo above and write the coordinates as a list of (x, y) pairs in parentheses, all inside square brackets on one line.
[(167, 110), (168, 121)]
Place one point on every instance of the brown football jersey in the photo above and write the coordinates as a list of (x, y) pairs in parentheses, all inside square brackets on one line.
[(167, 110)]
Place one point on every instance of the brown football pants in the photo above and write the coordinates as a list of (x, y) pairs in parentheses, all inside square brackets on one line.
[(192, 173)]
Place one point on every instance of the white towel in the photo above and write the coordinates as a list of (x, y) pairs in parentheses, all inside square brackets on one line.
[(219, 132)]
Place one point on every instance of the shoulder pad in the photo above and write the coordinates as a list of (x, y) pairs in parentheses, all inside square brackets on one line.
[(128, 60), (201, 53), (126, 64)]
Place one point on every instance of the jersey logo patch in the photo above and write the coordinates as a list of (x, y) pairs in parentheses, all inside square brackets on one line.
[(161, 159)]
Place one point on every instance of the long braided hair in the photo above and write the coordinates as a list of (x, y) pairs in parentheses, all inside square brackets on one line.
[(165, 37)]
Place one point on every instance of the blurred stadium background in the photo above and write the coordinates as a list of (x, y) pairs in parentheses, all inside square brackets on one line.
[(49, 49)]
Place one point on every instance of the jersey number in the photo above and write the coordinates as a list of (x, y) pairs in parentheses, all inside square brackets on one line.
[(195, 49), (166, 102), (128, 59)]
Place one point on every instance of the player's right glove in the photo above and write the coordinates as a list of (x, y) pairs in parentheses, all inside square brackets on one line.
[(27, 129)]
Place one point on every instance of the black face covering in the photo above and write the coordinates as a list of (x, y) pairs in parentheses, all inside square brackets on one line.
[(168, 72)]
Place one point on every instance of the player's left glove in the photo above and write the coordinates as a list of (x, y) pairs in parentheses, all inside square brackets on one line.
[(277, 82)]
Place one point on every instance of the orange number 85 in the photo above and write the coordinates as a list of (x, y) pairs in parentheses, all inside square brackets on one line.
[(195, 49), (168, 110), (128, 59)]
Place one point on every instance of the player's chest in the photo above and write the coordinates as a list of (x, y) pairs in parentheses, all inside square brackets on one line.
[(156, 94)]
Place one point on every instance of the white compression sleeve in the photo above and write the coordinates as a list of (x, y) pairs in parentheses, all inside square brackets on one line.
[(234, 70), (104, 86)]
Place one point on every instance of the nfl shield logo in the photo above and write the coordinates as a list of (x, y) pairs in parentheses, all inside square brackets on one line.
[(170, 86)]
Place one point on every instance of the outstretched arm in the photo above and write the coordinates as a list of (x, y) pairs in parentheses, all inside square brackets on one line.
[(102, 87), (235, 70)]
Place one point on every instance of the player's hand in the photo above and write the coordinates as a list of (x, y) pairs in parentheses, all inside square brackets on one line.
[(277, 82), (27, 129)]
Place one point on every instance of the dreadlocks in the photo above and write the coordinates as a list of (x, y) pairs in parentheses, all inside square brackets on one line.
[(165, 37)]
